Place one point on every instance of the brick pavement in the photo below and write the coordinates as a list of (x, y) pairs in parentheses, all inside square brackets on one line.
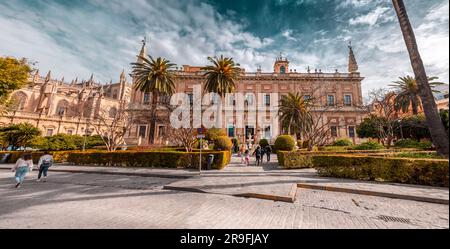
[(103, 201)]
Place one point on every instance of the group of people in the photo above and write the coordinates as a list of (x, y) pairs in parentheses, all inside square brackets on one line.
[(259, 153), (25, 165)]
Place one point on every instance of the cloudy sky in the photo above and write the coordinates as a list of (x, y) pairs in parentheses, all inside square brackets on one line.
[(80, 37)]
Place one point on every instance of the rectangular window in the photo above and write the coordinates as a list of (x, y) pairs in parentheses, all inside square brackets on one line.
[(231, 131), (351, 132), (161, 131), (307, 97), (267, 99), (330, 100), (191, 99), (69, 132), (143, 131), (49, 132), (334, 131), (348, 100), (146, 98), (268, 132), (249, 99)]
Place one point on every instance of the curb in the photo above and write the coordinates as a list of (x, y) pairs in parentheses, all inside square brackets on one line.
[(117, 173), (374, 193), (289, 199)]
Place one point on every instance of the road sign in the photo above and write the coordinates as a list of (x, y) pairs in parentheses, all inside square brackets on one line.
[(200, 131), (201, 136)]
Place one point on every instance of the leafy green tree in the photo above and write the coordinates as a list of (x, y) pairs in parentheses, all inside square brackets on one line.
[(13, 75), (19, 135), (155, 77), (413, 127), (369, 128)]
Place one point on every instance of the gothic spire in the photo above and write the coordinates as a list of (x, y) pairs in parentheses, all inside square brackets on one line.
[(48, 77), (352, 64), (123, 77), (36, 76), (143, 53)]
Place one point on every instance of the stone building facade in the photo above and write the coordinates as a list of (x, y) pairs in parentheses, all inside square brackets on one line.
[(339, 94), (59, 107)]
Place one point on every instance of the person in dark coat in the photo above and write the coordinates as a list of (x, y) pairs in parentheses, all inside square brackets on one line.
[(258, 153), (268, 151)]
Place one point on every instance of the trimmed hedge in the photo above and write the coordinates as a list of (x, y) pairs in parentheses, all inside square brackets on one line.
[(150, 159), (284, 143), (59, 156), (433, 172)]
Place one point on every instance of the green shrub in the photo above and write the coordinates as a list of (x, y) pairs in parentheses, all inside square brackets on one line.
[(213, 133), (223, 144), (150, 159), (368, 146), (284, 143), (431, 172), (263, 143), (342, 143), (409, 143)]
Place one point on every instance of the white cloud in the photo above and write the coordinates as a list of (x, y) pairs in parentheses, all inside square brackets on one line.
[(371, 18)]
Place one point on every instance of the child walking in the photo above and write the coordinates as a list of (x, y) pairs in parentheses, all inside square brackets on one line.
[(22, 167), (247, 157)]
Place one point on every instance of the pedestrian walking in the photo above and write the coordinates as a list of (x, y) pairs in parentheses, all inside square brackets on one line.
[(258, 154), (247, 157), (45, 162), (268, 151), (242, 153), (22, 167)]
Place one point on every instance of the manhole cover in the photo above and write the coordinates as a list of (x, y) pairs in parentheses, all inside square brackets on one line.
[(394, 219)]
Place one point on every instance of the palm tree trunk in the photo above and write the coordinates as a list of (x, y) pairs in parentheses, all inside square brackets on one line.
[(437, 131), (415, 105), (153, 119)]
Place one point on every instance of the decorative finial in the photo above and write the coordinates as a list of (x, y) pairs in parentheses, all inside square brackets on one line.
[(144, 41)]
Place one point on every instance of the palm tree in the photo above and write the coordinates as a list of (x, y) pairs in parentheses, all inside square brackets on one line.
[(221, 78), (155, 77), (408, 93), (437, 130), (294, 112)]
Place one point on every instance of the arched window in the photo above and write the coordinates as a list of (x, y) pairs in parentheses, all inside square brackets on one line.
[(283, 69), (61, 108), (19, 100)]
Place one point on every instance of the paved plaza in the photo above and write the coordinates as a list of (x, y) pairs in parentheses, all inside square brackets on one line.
[(136, 198)]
